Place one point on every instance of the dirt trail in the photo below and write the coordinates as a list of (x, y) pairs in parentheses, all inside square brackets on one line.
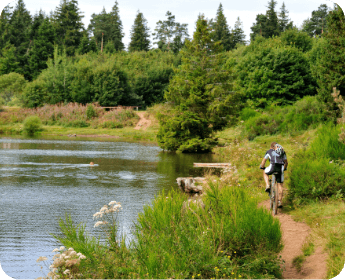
[(143, 122), (294, 236)]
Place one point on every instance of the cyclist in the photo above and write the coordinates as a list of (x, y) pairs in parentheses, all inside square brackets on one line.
[(278, 163)]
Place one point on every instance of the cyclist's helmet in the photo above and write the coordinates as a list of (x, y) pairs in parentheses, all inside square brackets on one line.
[(279, 150)]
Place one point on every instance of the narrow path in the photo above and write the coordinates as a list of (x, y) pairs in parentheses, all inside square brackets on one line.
[(294, 236), (143, 122)]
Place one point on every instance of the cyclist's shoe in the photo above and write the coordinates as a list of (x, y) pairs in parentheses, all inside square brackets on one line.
[(279, 204), (268, 189)]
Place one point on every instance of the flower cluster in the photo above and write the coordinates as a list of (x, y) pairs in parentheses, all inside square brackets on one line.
[(65, 262), (112, 207)]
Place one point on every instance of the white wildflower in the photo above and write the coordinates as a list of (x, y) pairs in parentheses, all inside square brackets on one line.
[(105, 207), (62, 255), (67, 257), (100, 223), (70, 249), (56, 256), (62, 248), (112, 202), (67, 271), (51, 266), (73, 253), (79, 254), (41, 259), (82, 257), (98, 215), (56, 250)]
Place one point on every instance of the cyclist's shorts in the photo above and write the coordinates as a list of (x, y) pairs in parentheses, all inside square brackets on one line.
[(269, 170)]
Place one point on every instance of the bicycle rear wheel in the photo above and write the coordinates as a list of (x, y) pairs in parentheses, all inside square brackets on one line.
[(274, 197)]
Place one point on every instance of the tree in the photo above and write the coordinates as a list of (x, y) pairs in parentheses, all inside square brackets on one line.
[(5, 17), (266, 25), (87, 45), (11, 86), (201, 93), (107, 26), (238, 36), (221, 30), (169, 32), (8, 60), (68, 25), (139, 34), (272, 25), (329, 63), (283, 19), (317, 24), (19, 36), (42, 48), (272, 73)]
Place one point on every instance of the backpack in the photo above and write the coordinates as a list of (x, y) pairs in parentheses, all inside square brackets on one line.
[(279, 150)]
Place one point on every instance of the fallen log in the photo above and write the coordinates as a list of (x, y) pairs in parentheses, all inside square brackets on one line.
[(213, 165)]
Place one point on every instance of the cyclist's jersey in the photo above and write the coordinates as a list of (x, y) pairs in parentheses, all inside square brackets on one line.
[(274, 158)]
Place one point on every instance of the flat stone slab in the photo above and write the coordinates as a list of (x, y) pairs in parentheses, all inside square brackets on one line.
[(190, 184)]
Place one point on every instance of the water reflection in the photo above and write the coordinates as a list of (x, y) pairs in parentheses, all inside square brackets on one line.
[(41, 180)]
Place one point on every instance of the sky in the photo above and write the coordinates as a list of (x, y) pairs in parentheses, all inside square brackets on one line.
[(185, 11)]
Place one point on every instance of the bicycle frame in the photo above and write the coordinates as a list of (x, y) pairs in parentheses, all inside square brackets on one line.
[(274, 195)]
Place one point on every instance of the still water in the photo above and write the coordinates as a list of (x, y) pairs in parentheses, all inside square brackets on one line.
[(41, 180)]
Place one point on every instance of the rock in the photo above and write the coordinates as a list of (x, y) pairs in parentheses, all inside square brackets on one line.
[(190, 184)]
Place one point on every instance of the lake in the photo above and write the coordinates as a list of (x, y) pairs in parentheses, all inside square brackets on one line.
[(41, 180)]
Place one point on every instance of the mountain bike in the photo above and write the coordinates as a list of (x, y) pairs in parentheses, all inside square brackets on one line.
[(273, 194)]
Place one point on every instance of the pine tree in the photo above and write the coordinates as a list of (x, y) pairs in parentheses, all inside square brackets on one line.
[(170, 34), (238, 36), (5, 17), (272, 25), (19, 36), (108, 26), (36, 22), (317, 24), (259, 27), (84, 45), (284, 21), (68, 25), (139, 34), (221, 30), (201, 94), (116, 33), (8, 60), (43, 48), (330, 65)]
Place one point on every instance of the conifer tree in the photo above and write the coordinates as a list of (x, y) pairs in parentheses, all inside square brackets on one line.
[(5, 17), (139, 34), (221, 30), (84, 45), (43, 48), (283, 18), (272, 25), (116, 29), (8, 60), (317, 24), (330, 64), (238, 36), (68, 25), (201, 94), (170, 34), (19, 36), (36, 22), (259, 27)]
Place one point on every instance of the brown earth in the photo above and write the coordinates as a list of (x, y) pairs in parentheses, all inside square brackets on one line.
[(294, 236), (143, 122)]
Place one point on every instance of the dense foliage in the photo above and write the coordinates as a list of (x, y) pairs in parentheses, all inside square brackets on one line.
[(201, 95)]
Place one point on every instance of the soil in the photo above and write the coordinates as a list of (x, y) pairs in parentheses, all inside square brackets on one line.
[(294, 236), (143, 122)]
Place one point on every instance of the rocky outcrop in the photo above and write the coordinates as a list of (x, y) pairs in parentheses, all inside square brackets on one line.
[(190, 184)]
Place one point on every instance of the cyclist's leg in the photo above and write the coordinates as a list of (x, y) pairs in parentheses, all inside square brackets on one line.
[(280, 181), (266, 178), (268, 171)]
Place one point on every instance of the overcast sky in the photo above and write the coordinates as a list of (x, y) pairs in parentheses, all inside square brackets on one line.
[(185, 11)]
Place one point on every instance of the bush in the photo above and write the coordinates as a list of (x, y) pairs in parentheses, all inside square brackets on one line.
[(32, 125), (180, 240), (319, 171), (11, 86), (76, 123), (304, 114), (90, 112)]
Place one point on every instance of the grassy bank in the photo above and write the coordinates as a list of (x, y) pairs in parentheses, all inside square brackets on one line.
[(79, 120)]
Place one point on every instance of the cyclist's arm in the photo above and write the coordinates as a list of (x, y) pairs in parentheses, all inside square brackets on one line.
[(262, 165)]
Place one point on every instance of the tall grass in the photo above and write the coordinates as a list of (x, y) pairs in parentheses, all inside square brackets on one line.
[(73, 115), (306, 113), (319, 171), (225, 236)]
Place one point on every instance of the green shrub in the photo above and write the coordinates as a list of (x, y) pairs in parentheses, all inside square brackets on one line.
[(304, 114), (77, 123), (90, 112), (248, 113), (11, 86), (319, 172), (225, 236), (32, 125), (111, 124)]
